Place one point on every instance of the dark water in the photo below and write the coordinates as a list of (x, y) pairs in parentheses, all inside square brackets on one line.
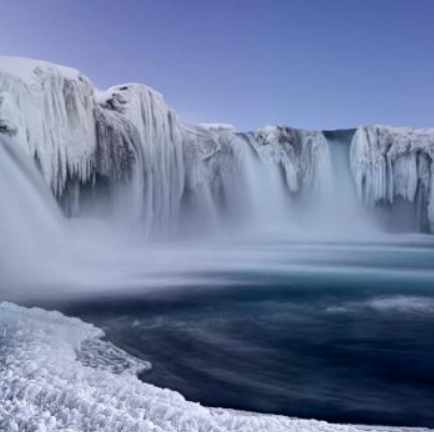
[(355, 347)]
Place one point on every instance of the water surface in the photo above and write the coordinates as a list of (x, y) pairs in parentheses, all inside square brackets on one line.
[(335, 331)]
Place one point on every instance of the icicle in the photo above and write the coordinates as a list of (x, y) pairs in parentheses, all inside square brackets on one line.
[(390, 162)]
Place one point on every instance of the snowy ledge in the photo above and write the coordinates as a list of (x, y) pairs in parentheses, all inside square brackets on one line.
[(57, 375)]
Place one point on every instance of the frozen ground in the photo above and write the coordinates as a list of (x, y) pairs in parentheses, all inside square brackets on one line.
[(55, 375)]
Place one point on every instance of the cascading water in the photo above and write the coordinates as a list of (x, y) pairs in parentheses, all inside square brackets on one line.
[(30, 220), (346, 215), (263, 186)]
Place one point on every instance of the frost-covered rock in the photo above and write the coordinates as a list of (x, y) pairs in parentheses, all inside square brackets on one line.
[(391, 162), (47, 385)]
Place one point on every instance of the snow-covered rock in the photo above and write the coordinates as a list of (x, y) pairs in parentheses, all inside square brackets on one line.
[(48, 384)]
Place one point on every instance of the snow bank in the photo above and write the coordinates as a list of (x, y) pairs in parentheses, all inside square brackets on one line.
[(217, 126), (47, 384)]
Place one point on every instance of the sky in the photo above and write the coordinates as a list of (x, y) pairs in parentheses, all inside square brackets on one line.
[(315, 64)]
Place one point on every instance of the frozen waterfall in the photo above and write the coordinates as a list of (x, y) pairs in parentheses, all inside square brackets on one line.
[(123, 155)]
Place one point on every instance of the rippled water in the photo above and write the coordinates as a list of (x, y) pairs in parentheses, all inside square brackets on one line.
[(335, 331)]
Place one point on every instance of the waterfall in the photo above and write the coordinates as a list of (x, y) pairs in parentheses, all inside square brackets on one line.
[(266, 197), (345, 212), (30, 219), (124, 156)]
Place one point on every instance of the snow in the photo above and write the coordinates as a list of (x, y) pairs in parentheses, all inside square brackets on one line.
[(217, 126), (27, 69), (391, 162), (46, 384)]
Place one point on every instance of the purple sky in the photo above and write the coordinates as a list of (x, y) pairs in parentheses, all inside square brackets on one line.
[(306, 63)]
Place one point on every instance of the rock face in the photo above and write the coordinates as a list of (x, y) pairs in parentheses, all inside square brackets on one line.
[(124, 154)]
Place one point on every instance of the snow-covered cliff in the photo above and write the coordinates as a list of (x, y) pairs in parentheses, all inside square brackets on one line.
[(391, 164), (125, 154)]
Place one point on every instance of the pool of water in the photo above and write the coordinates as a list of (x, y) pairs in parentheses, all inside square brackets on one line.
[(339, 332)]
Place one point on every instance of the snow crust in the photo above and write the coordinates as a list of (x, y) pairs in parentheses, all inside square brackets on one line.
[(392, 162), (45, 385)]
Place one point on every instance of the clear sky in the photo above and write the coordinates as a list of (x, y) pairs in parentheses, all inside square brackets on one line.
[(307, 63)]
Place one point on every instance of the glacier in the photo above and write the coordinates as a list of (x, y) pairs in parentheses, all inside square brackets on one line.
[(47, 384)]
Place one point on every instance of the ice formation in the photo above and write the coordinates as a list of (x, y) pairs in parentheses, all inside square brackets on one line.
[(395, 163), (89, 143), (49, 111), (127, 147), (47, 384)]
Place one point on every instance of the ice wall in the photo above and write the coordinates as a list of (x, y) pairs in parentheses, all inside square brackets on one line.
[(395, 165), (124, 155), (128, 151), (49, 111)]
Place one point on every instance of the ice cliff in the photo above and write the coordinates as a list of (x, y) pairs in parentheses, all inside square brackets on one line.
[(391, 164), (128, 150)]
